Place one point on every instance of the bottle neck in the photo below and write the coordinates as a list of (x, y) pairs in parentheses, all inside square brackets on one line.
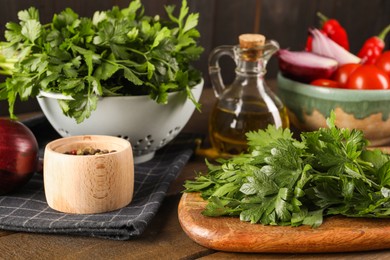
[(251, 62), (251, 68)]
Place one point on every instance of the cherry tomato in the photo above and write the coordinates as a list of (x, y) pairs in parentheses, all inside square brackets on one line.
[(325, 83), (342, 73), (368, 77), (383, 62)]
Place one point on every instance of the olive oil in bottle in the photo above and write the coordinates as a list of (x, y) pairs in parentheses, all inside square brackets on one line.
[(227, 129), (247, 104)]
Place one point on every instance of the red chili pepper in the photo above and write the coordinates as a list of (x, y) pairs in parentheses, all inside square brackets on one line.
[(373, 47), (332, 29), (310, 40)]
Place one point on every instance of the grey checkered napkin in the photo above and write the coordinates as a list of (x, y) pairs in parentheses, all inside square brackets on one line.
[(27, 210)]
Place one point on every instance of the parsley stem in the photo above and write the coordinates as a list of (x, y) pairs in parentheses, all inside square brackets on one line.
[(322, 176), (138, 52)]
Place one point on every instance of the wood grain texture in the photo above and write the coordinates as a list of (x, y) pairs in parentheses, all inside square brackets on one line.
[(373, 255), (86, 184), (5, 233), (336, 234), (231, 19)]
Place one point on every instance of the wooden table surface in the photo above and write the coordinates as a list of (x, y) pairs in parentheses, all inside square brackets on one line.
[(163, 238)]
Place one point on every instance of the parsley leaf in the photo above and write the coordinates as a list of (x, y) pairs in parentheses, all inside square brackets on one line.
[(285, 181), (114, 52)]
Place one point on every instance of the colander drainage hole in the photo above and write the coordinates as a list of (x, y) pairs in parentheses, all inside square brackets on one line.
[(123, 137)]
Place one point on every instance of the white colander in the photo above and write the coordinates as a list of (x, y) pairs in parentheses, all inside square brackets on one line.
[(147, 125)]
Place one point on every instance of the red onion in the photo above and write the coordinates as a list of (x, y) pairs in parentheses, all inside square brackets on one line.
[(18, 155), (323, 45), (305, 66)]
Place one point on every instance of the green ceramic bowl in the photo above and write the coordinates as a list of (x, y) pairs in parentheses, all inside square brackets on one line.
[(309, 106)]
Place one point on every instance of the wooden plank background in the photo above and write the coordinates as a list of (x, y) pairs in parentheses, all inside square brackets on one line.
[(221, 21)]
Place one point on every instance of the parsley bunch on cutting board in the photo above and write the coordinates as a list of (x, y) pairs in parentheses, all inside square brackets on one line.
[(115, 52), (285, 181)]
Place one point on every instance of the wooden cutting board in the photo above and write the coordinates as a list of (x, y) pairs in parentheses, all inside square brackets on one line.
[(336, 234)]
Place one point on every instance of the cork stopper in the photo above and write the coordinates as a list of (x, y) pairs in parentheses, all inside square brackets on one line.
[(248, 40), (251, 46)]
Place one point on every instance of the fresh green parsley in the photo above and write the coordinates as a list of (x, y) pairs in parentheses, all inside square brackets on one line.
[(115, 52), (285, 181)]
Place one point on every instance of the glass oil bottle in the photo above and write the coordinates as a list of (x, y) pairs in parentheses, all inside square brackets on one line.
[(247, 104)]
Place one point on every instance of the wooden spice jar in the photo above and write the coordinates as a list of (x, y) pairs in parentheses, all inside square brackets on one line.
[(86, 184)]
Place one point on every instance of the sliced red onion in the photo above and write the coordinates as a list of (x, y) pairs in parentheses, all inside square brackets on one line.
[(323, 45), (305, 66)]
